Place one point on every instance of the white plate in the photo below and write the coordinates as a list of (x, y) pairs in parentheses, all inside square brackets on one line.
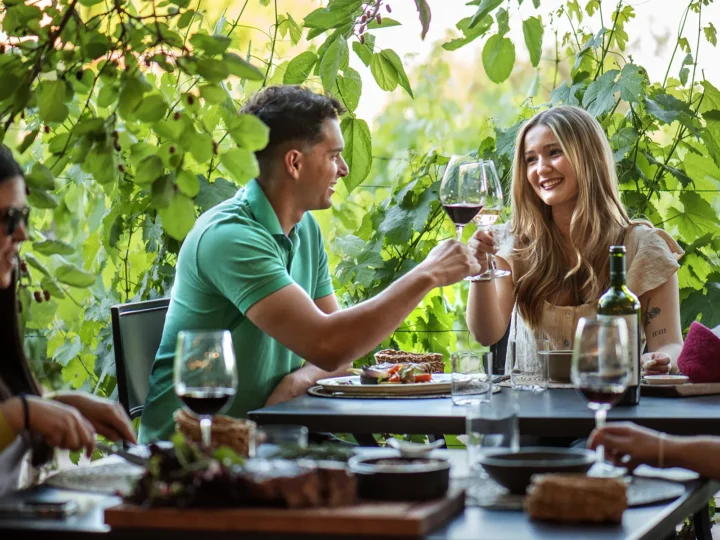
[(440, 384), (666, 379)]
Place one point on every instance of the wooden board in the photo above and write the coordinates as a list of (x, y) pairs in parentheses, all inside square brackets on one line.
[(365, 518), (680, 390)]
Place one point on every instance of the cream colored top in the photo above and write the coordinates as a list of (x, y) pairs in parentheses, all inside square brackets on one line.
[(651, 258)]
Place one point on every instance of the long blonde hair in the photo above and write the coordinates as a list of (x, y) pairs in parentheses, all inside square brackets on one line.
[(544, 269)]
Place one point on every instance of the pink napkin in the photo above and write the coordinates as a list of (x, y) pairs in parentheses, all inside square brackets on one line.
[(700, 356)]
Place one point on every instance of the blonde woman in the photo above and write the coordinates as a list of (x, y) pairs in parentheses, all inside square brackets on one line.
[(566, 213)]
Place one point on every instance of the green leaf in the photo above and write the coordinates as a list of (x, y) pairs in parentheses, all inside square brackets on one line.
[(295, 30), (131, 96), (51, 101), (40, 177), (201, 146), (28, 140), (394, 59), (706, 306), (50, 285), (53, 247), (350, 86), (33, 261), (599, 98), (214, 193), (162, 191), (330, 62), (665, 107), (485, 7), (498, 57), (387, 22), (632, 83), (240, 68), (249, 132), (69, 274), (241, 164), (39, 198), (188, 183), (300, 67), (148, 170), (152, 109), (358, 151), (179, 217), (185, 19), (533, 34), (711, 98), (693, 218), (212, 45), (425, 16), (710, 34), (213, 70), (213, 94), (384, 72), (470, 34), (327, 18)]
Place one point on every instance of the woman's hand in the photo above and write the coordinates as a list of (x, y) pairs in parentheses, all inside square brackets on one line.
[(655, 363), (108, 417), (629, 445), (60, 425), (482, 244)]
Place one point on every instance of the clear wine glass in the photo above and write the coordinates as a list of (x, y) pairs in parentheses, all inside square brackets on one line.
[(494, 203), (601, 372), (461, 190), (205, 374)]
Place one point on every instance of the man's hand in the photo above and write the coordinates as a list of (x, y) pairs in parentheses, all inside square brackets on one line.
[(655, 363), (449, 262), (107, 417), (291, 386)]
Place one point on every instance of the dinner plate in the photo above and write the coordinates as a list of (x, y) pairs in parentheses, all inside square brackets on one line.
[(666, 379), (440, 384)]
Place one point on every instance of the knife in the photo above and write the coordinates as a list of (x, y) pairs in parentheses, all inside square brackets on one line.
[(117, 450)]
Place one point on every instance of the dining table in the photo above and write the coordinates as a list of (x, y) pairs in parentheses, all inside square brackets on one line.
[(653, 521)]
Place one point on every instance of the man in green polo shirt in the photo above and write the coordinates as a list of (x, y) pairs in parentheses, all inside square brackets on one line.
[(255, 265)]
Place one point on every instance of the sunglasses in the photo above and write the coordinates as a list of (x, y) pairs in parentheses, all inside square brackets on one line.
[(11, 218)]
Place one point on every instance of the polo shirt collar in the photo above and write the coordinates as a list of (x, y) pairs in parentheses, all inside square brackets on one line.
[(261, 208)]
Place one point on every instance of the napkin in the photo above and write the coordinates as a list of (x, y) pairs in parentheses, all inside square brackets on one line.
[(700, 356)]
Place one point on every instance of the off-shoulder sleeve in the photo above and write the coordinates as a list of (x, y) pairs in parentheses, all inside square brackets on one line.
[(655, 258)]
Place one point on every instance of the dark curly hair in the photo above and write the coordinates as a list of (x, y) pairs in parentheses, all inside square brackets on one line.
[(15, 375), (293, 114)]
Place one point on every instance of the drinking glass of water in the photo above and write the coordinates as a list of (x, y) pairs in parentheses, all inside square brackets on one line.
[(529, 368), (270, 439), (491, 425), (205, 376), (471, 378)]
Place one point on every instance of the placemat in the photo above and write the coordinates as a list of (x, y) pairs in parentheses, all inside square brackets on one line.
[(487, 493), (319, 391)]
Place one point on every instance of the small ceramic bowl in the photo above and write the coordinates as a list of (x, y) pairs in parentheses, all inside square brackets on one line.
[(514, 470)]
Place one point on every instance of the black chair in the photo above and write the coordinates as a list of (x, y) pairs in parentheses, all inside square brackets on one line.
[(137, 329), (499, 351)]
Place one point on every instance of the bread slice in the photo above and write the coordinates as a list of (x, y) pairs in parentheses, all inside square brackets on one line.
[(392, 356)]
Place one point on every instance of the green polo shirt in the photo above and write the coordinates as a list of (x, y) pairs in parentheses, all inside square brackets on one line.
[(235, 255)]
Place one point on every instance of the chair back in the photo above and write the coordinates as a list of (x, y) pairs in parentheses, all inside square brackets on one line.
[(137, 329)]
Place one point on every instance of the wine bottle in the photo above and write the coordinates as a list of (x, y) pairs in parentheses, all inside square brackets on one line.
[(619, 301)]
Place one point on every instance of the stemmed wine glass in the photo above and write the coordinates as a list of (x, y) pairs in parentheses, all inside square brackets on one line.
[(205, 375), (461, 190), (488, 215), (601, 372)]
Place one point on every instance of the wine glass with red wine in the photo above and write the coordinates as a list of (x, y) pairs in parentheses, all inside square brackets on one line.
[(601, 372), (205, 375), (461, 190)]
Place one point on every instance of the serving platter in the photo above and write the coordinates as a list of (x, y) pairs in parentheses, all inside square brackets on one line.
[(350, 385)]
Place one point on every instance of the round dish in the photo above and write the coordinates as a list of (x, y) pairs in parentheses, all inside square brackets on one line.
[(514, 470), (666, 379), (391, 478)]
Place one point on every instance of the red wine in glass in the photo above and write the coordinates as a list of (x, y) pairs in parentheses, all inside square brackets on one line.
[(207, 402), (602, 397), (461, 214)]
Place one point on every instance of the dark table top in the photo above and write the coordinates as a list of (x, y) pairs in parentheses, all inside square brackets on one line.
[(648, 522), (553, 413)]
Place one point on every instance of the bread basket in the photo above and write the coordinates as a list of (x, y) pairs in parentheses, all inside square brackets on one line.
[(235, 433)]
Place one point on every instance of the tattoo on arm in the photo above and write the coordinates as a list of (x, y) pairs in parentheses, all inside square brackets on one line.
[(651, 313), (659, 332)]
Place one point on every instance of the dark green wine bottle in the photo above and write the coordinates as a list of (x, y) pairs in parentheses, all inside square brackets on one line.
[(619, 301)]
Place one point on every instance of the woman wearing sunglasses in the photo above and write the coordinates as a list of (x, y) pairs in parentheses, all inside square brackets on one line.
[(29, 421)]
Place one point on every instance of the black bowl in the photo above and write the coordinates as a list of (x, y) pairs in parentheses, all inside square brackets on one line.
[(514, 470), (393, 478)]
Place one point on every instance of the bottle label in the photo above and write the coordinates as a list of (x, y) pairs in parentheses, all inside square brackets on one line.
[(633, 344)]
